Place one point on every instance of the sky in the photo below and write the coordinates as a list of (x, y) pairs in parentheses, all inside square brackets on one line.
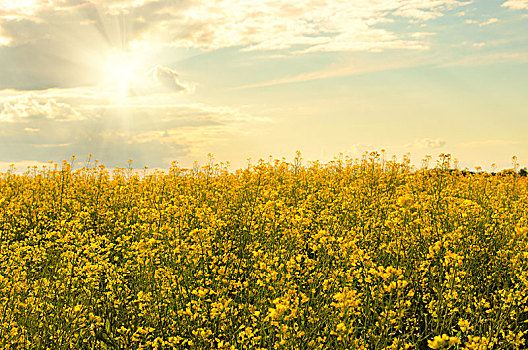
[(158, 81)]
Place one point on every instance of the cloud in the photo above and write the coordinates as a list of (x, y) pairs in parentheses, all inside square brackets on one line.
[(489, 21), (418, 13), (4, 39), (29, 107), (372, 40), (482, 24), (516, 4), (111, 128), (426, 143), (420, 35), (331, 25), (31, 129), (64, 43), (158, 80), (485, 59), (166, 77), (277, 26), (32, 9), (488, 143), (51, 145), (201, 138), (20, 9), (341, 69)]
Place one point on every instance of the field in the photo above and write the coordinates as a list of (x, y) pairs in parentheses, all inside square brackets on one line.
[(366, 254)]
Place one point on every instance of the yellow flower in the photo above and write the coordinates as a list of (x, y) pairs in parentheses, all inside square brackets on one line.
[(77, 308), (464, 325), (341, 327)]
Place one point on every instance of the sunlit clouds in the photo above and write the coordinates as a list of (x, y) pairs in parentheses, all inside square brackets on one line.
[(30, 124), (30, 108), (427, 143), (156, 80), (516, 4), (313, 25)]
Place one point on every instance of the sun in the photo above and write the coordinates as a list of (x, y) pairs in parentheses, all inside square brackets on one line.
[(120, 71)]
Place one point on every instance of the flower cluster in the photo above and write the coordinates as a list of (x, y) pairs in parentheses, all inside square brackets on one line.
[(352, 254)]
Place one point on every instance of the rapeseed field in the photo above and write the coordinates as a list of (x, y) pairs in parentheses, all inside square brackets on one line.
[(352, 254)]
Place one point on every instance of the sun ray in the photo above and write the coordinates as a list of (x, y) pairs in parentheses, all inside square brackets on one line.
[(120, 71)]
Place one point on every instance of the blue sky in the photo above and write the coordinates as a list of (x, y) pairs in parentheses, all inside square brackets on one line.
[(160, 80)]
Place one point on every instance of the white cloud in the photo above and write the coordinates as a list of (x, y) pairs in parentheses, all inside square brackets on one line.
[(130, 82), (30, 9), (319, 25), (274, 25), (112, 128), (51, 145), (426, 143), (482, 24), (4, 39), (59, 44), (489, 21), (420, 35), (30, 107), (167, 78), (21, 9), (488, 143), (418, 13), (373, 40), (335, 71), (479, 44), (516, 4), (485, 59)]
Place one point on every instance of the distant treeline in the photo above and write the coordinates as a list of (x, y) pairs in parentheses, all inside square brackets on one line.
[(522, 172)]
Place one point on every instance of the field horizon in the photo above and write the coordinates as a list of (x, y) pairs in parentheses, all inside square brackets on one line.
[(427, 162)]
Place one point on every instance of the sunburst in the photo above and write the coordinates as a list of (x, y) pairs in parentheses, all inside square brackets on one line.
[(120, 72)]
